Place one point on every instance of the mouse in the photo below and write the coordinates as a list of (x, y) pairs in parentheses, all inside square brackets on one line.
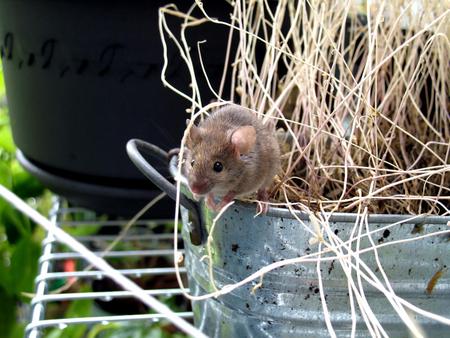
[(231, 154)]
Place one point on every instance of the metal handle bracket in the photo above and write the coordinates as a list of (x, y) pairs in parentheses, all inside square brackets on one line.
[(135, 149)]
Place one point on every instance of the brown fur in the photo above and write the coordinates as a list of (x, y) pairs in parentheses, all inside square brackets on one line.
[(242, 173)]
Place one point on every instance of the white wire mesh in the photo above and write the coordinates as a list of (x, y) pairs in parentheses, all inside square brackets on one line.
[(139, 244)]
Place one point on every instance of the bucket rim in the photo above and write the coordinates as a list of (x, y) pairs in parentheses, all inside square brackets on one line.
[(340, 217)]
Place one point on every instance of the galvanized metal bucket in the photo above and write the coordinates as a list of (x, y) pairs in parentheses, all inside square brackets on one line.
[(289, 303)]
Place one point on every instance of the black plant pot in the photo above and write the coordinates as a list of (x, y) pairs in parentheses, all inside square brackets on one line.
[(82, 78)]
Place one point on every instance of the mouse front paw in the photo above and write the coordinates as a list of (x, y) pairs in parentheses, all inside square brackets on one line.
[(210, 203), (225, 200), (262, 206)]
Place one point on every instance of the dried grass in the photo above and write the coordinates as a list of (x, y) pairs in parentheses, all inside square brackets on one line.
[(361, 93)]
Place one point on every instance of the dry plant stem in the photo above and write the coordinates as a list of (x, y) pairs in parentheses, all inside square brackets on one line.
[(217, 95), (164, 28), (188, 60), (402, 46), (227, 60), (365, 310), (258, 285), (397, 307), (199, 3), (345, 264), (365, 305), (322, 295), (334, 240), (209, 245)]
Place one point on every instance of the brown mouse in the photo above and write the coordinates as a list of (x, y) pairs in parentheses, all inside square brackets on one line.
[(231, 154)]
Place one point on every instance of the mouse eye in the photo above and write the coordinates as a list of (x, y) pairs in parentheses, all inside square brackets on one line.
[(192, 163), (218, 167)]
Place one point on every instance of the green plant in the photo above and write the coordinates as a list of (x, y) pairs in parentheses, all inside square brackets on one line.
[(19, 237)]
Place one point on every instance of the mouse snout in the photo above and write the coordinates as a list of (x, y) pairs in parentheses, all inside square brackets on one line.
[(199, 186)]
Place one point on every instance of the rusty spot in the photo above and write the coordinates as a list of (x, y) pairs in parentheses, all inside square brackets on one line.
[(433, 281), (331, 267), (418, 229)]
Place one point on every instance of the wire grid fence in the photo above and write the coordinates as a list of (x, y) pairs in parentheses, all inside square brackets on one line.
[(144, 244)]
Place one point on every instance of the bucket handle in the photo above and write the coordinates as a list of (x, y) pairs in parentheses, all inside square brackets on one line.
[(135, 148)]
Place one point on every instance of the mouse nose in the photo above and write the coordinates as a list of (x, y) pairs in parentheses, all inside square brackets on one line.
[(199, 187)]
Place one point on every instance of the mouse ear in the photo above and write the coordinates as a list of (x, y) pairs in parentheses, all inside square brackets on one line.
[(195, 135), (243, 139)]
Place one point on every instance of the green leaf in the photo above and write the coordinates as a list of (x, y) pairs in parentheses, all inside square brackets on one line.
[(6, 178), (135, 330), (23, 184), (85, 230), (54, 333), (18, 330), (24, 264), (4, 117), (2, 83), (99, 328), (6, 140), (16, 224), (7, 313), (6, 284), (78, 308), (74, 331)]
